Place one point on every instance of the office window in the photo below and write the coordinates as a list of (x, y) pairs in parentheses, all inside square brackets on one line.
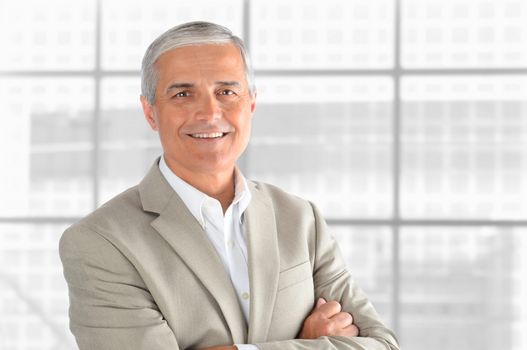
[(128, 145), (463, 33), (327, 139), (464, 142), (404, 121), (46, 146), (33, 293), (313, 34), (43, 35), (455, 280), (128, 27)]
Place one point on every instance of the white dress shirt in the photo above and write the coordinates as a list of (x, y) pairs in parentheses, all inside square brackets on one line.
[(225, 231)]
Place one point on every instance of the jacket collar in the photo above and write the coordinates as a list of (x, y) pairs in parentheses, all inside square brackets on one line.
[(264, 262)]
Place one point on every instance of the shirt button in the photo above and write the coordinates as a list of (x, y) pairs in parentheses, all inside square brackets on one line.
[(245, 296), (230, 243)]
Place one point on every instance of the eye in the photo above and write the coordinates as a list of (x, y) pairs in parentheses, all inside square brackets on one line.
[(182, 94), (227, 92)]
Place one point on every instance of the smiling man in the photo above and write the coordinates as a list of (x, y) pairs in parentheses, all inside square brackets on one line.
[(196, 256), (202, 110)]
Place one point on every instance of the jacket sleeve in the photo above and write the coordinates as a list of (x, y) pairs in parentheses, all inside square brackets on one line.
[(110, 306), (333, 281)]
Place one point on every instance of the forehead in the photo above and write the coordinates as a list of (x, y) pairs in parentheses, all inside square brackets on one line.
[(201, 61)]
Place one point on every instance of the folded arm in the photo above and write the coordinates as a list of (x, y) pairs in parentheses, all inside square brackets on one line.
[(355, 325)]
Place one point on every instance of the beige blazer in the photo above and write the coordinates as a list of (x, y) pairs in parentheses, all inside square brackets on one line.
[(143, 275)]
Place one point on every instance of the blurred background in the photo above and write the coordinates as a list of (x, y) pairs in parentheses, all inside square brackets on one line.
[(404, 120)]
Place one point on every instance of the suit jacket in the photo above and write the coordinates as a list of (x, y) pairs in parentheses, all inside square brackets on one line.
[(143, 275)]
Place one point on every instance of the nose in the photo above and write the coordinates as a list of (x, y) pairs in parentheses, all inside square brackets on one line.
[(208, 108)]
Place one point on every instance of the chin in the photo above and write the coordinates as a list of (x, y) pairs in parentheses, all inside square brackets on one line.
[(214, 165)]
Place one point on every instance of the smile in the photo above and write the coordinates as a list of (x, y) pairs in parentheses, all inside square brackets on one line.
[(212, 135)]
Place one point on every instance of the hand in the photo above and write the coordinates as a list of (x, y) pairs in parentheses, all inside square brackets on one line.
[(326, 319)]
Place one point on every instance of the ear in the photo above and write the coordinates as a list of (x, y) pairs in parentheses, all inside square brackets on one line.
[(253, 102), (148, 111)]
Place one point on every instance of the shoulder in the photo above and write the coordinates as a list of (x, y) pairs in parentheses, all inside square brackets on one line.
[(120, 216), (106, 245), (298, 222), (281, 198), (288, 208)]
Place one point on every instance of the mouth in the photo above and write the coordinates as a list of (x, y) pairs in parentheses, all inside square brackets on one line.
[(208, 135)]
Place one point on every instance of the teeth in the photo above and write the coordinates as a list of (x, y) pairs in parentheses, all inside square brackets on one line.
[(211, 135)]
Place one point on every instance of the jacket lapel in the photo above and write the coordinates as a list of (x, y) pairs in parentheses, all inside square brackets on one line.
[(264, 262), (183, 232)]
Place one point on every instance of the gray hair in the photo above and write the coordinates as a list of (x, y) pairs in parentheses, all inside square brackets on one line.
[(191, 33)]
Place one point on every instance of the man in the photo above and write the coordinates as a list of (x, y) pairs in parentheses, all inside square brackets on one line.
[(196, 256)]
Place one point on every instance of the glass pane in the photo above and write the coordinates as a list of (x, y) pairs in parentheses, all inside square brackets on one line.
[(51, 34), (45, 145), (33, 292), (322, 34), (128, 145), (464, 33), (130, 26), (326, 139), (463, 288), (368, 252), (464, 147)]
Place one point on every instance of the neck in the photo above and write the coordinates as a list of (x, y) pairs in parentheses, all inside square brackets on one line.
[(218, 185)]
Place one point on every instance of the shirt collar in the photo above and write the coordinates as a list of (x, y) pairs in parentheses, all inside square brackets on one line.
[(242, 195), (194, 198)]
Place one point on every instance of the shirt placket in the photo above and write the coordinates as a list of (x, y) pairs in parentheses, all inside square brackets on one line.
[(237, 263)]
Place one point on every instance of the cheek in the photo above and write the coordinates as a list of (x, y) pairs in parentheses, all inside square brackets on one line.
[(245, 130), (169, 135), (170, 121)]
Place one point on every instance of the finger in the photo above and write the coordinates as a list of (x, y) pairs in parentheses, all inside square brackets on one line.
[(329, 308), (320, 301), (349, 331), (342, 320)]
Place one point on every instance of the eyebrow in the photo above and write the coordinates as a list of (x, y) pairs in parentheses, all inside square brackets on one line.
[(190, 85), (228, 83), (179, 86)]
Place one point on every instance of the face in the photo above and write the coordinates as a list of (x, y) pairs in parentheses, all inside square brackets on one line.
[(203, 108)]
